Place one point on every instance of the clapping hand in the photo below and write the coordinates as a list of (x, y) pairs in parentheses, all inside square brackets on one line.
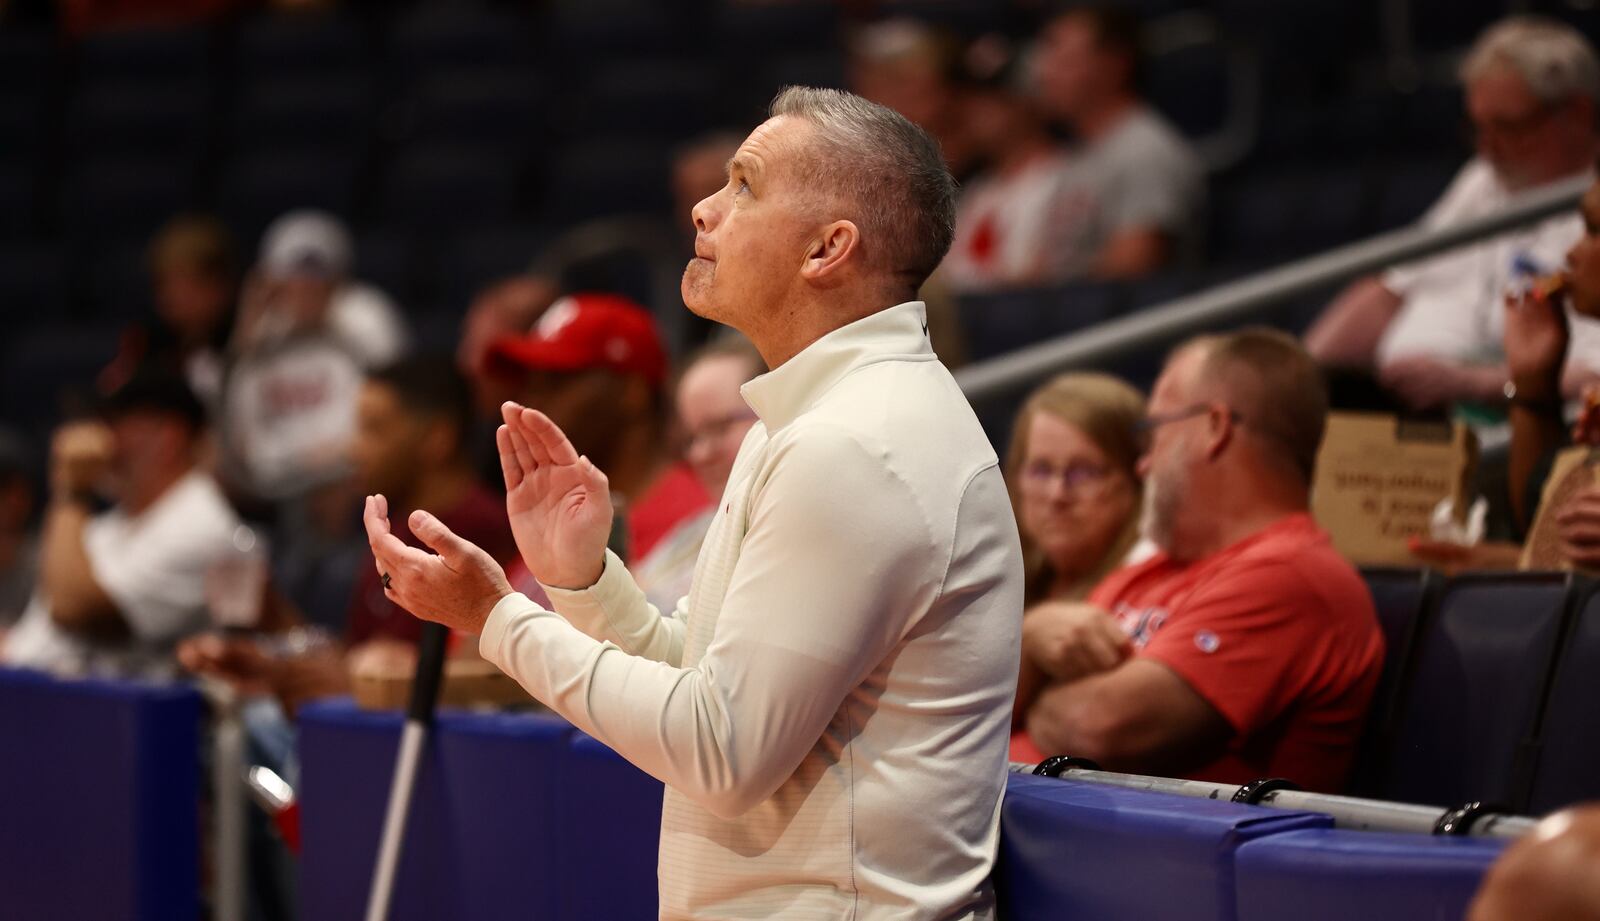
[(457, 585), (558, 502)]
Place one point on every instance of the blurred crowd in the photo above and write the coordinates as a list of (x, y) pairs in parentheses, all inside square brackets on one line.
[(1185, 615)]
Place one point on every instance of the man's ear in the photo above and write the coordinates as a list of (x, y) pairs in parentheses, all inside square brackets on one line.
[(1222, 425), (829, 251)]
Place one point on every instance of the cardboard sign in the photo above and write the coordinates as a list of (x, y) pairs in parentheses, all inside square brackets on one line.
[(1575, 469), (1379, 478)]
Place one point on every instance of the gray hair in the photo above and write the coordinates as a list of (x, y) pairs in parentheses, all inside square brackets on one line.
[(1552, 58), (887, 171)]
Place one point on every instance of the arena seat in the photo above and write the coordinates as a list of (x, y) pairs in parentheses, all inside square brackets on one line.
[(261, 185), (1290, 212), (52, 364), (388, 257), (302, 42), (33, 282), (432, 189), (146, 56), (18, 202), (331, 116), (606, 176), (117, 200), (670, 99), (484, 255), (1326, 874), (486, 111), (1400, 596), (1072, 850), (1467, 714), (1569, 750), (460, 38), (102, 805), (170, 121), (1409, 187), (998, 322)]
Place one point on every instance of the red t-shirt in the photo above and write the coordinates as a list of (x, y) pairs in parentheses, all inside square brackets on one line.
[(1276, 632), (675, 496), (479, 518)]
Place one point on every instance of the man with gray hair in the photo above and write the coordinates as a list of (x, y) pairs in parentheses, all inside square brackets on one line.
[(1432, 329), (829, 705)]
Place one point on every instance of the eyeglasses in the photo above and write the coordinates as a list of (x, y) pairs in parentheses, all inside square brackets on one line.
[(716, 428), (1147, 426), (1080, 478)]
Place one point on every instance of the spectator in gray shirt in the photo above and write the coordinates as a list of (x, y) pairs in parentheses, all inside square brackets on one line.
[(1136, 186)]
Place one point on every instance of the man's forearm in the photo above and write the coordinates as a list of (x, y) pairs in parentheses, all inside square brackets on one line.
[(66, 578)]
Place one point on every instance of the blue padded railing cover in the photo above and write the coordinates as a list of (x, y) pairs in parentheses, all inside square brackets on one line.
[(102, 796), (1326, 874), (1071, 851)]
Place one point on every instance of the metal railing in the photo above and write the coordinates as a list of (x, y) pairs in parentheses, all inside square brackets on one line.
[(1248, 298), (1348, 812)]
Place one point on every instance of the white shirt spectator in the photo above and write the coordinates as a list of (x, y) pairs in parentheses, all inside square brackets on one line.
[(152, 566), (289, 414), (1454, 303), (829, 707)]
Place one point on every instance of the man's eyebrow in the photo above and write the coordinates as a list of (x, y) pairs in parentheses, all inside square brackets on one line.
[(748, 167)]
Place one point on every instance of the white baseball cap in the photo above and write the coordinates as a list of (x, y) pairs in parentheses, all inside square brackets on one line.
[(306, 242)]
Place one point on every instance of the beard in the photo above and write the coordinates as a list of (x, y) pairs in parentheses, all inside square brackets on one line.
[(1165, 487)]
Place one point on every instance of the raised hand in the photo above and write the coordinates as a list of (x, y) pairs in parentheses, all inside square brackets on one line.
[(558, 502), (1535, 341), (457, 585)]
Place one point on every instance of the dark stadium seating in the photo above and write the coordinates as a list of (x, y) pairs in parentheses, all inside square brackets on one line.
[(1401, 597), (487, 111), (473, 261), (118, 119), (1469, 706), (323, 44), (1569, 749), (334, 116), (122, 199), (263, 184), (148, 56), (437, 190), (607, 176), (1007, 320)]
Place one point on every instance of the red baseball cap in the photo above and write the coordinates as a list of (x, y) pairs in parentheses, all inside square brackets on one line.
[(581, 332)]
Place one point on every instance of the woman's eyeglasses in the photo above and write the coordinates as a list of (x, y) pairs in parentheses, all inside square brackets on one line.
[(1080, 478)]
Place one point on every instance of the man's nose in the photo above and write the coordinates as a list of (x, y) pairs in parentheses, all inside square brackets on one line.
[(704, 214)]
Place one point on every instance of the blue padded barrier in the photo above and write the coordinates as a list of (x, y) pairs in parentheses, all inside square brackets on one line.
[(1326, 874), (1077, 850), (610, 828), (101, 813), (506, 807), (347, 759)]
